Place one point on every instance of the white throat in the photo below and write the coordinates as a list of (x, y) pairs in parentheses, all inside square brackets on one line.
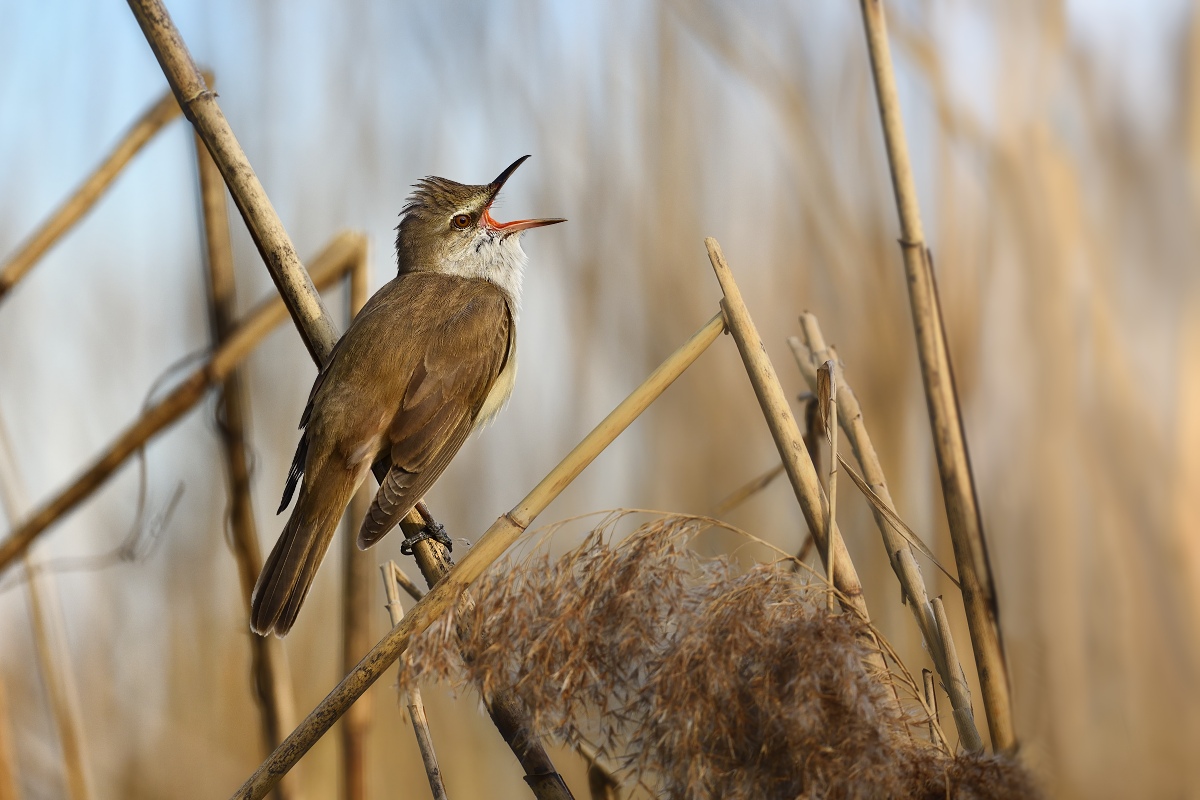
[(495, 257)]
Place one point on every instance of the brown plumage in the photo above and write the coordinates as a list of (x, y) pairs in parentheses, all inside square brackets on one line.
[(430, 356)]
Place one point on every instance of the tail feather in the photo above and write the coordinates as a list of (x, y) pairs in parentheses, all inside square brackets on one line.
[(289, 570)]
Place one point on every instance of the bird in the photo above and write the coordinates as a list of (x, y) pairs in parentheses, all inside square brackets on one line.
[(429, 358)]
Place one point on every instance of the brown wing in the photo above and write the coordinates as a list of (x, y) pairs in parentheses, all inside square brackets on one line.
[(464, 353)]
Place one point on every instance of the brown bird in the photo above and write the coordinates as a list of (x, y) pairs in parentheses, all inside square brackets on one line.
[(430, 357)]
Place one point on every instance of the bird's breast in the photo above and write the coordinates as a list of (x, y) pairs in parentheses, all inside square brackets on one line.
[(501, 390)]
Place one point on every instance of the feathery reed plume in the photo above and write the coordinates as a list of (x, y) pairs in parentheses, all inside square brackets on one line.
[(703, 679)]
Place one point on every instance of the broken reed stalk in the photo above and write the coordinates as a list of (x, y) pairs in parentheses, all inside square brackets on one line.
[(337, 257), (930, 688), (200, 106), (406, 583), (788, 441), (9, 778), (498, 538), (416, 707), (49, 638), (956, 687), (815, 351), (945, 416), (357, 578), (270, 679), (91, 190), (312, 319), (827, 400)]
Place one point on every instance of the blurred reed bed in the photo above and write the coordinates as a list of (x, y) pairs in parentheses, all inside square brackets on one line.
[(1061, 208)]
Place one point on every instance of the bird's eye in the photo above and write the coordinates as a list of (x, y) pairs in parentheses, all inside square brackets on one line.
[(461, 221)]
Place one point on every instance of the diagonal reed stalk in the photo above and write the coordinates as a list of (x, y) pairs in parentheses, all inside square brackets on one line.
[(357, 578), (808, 354), (775, 408), (333, 262), (269, 676), (498, 538), (49, 639), (312, 320), (416, 707), (945, 416), (89, 192)]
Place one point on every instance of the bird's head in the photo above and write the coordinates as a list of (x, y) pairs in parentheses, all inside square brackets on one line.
[(448, 227)]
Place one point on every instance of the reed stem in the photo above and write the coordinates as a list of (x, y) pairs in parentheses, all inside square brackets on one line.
[(945, 416)]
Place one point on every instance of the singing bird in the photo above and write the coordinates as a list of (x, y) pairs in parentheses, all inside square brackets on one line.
[(431, 356)]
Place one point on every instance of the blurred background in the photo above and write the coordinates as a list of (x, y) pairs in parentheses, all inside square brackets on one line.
[(1057, 150)]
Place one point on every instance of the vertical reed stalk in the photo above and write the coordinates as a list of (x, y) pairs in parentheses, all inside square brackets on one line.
[(357, 570), (827, 398), (416, 707), (269, 675), (9, 779), (950, 445), (91, 190), (49, 638)]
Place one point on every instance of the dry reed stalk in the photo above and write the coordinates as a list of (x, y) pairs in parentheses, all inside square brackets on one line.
[(91, 190), (808, 354), (498, 538), (416, 707), (949, 438), (200, 106), (49, 638), (357, 575), (337, 257), (270, 679), (9, 779)]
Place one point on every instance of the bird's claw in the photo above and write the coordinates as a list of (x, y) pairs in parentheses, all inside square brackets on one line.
[(433, 531)]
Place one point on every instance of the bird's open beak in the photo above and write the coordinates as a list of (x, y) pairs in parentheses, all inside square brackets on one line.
[(518, 224)]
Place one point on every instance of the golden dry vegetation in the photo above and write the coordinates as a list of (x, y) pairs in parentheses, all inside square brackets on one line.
[(1057, 157)]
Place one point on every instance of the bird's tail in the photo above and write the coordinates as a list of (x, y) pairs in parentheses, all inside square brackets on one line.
[(289, 570)]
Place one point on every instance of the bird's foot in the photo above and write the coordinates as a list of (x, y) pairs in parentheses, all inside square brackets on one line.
[(432, 530)]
